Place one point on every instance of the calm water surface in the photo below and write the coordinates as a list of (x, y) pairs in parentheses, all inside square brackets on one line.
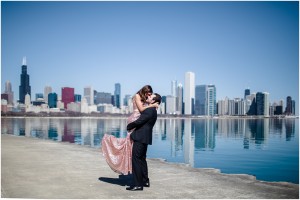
[(265, 148)]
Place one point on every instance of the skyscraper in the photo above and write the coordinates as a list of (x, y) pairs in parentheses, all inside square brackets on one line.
[(7, 87), (189, 93), (267, 104), (127, 99), (117, 95), (171, 104), (201, 100), (293, 107), (240, 108), (164, 102), (52, 100), (278, 108), (211, 100), (179, 99), (89, 95), (247, 92), (67, 96), (231, 107), (47, 90), (289, 106), (221, 107), (9, 92), (24, 87), (262, 103), (103, 97), (251, 108)]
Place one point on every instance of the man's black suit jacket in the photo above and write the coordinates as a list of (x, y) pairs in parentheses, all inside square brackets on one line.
[(143, 126)]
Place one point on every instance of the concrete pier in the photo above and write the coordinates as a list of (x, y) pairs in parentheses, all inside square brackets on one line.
[(36, 168)]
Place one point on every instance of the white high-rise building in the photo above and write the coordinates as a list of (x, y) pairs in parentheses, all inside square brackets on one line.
[(161, 109), (174, 88), (221, 107), (231, 107), (171, 104), (9, 92), (226, 105), (89, 95), (8, 87), (266, 104), (47, 90), (179, 99), (211, 100), (189, 93), (241, 106)]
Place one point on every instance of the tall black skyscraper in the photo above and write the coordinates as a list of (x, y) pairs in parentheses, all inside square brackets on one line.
[(290, 106), (24, 87), (247, 92), (260, 103), (117, 95)]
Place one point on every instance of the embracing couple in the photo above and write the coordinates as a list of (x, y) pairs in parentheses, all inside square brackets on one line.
[(128, 155)]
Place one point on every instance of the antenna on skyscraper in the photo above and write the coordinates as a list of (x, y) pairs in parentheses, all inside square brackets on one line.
[(24, 60)]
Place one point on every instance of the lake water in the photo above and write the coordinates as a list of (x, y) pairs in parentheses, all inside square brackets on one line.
[(265, 148)]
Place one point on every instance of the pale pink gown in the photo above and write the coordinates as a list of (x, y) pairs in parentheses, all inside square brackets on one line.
[(118, 151)]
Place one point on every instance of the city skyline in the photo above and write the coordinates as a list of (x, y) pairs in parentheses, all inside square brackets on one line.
[(232, 45), (198, 100)]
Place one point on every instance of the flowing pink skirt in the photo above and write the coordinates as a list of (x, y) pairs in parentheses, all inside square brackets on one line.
[(118, 151)]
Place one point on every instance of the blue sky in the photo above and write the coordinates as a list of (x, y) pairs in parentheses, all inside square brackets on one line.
[(233, 45)]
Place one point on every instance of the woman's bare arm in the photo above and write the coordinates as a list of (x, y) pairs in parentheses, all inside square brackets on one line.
[(140, 105)]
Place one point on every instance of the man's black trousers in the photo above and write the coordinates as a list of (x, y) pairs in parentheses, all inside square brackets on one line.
[(139, 163)]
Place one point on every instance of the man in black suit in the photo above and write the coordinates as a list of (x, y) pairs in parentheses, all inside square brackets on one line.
[(142, 136)]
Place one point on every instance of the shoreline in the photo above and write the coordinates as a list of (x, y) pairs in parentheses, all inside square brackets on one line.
[(64, 170), (216, 170)]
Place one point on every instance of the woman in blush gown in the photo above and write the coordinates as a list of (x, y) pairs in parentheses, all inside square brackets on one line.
[(118, 151)]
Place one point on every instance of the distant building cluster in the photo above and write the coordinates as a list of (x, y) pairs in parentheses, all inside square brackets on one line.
[(190, 99), (200, 100)]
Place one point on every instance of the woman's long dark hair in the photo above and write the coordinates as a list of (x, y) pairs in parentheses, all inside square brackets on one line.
[(143, 91)]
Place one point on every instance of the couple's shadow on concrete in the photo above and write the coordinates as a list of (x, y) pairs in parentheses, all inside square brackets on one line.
[(123, 180)]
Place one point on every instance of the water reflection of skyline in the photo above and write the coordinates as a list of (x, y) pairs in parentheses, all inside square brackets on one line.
[(200, 133), (177, 140), (184, 135)]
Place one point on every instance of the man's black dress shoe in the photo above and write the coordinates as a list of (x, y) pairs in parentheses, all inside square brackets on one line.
[(147, 184), (134, 188)]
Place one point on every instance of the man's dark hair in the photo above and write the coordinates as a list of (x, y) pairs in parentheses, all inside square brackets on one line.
[(157, 98)]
